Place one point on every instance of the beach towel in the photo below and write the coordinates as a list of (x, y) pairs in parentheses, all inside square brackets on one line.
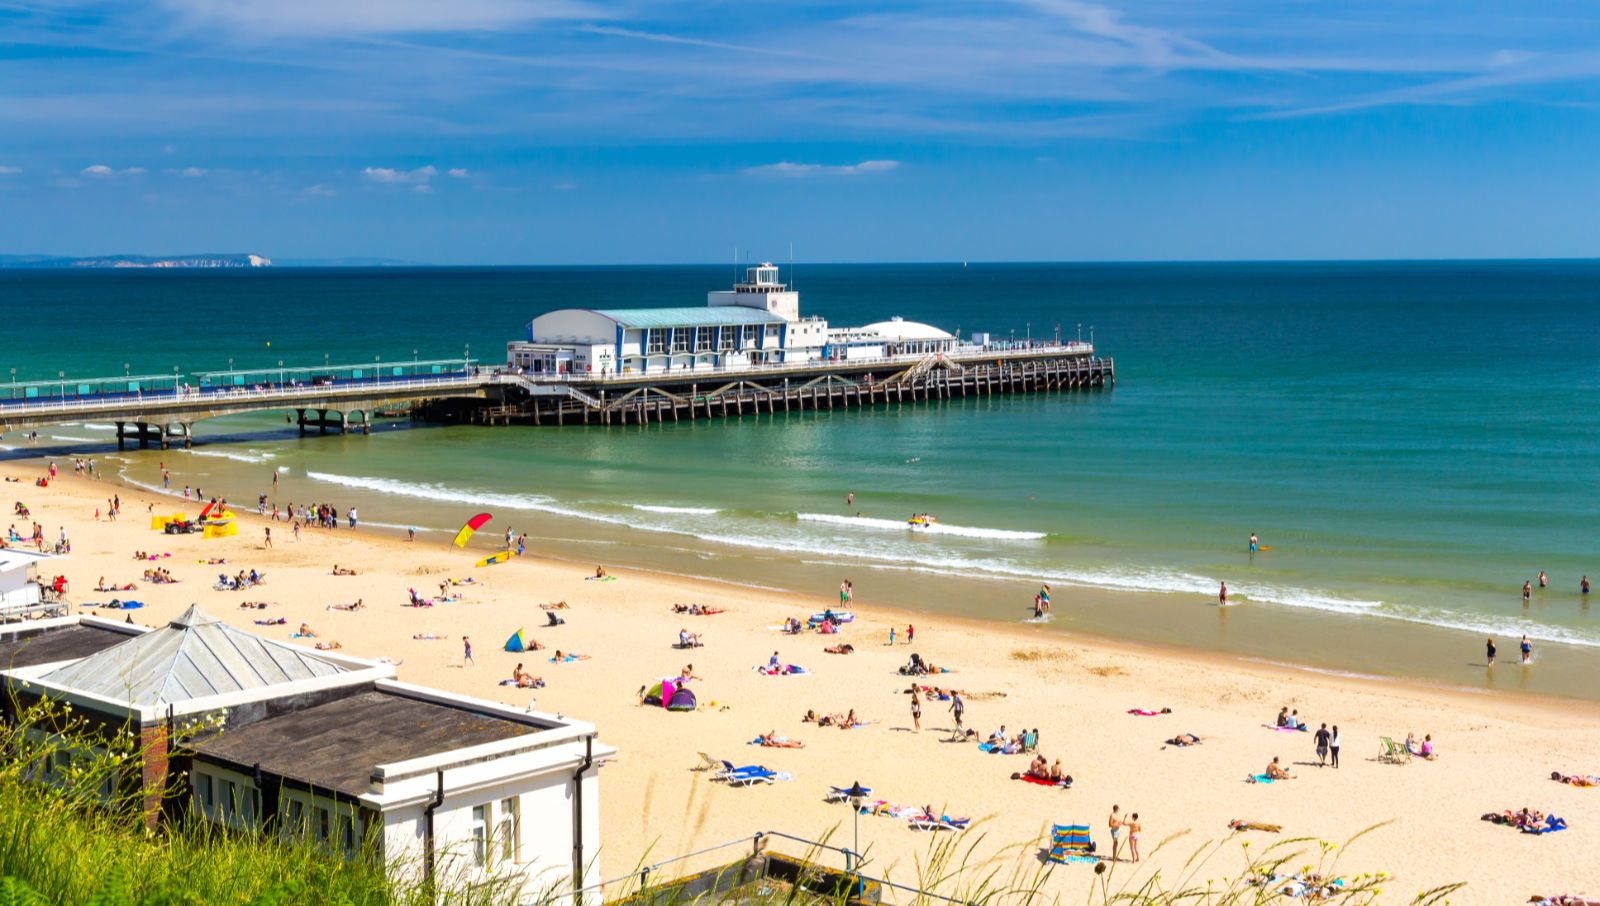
[(569, 658), (1065, 783), (1258, 778), (1289, 729), (600, 578), (297, 635), (1551, 825), (1141, 712)]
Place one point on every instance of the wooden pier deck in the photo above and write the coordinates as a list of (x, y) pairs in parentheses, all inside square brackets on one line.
[(672, 398)]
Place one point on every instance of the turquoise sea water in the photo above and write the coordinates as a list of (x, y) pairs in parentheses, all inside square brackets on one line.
[(1412, 439)]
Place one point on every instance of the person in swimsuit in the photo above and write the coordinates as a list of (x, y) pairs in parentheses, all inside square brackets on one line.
[(1132, 825), (1527, 592), (1489, 647), (1044, 598), (1527, 651), (1255, 543), (916, 710), (1222, 595), (1544, 581), (1583, 585), (1115, 824)]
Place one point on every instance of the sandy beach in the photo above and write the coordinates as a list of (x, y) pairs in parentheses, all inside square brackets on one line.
[(1497, 750)]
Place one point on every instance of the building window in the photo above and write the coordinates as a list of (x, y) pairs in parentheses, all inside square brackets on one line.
[(705, 339), (680, 339), (729, 339), (480, 833), (347, 834), (203, 793), (506, 832), (324, 824), (230, 793), (655, 340), (294, 817)]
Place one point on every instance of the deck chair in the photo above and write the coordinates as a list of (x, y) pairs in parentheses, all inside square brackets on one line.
[(707, 763), (750, 775), (1071, 843), (943, 822), (842, 793), (1393, 752)]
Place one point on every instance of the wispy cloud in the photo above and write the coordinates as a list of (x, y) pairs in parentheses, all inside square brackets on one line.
[(458, 172), (349, 18), (9, 171), (193, 172), (790, 169), (405, 177)]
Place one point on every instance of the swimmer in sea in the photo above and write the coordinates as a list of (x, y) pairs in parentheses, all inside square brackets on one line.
[(1527, 592), (1255, 543)]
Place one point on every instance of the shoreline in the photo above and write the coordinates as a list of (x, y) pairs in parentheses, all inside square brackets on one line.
[(1313, 639), (1498, 748)]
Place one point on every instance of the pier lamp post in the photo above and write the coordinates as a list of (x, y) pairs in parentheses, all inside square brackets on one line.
[(13, 383), (413, 363), (856, 793), (280, 374), (1029, 326), (63, 376), (466, 359), (1080, 331)]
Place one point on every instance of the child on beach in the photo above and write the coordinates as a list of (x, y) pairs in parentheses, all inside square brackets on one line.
[(466, 652)]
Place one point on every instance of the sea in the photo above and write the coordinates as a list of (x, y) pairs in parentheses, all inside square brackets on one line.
[(1412, 441)]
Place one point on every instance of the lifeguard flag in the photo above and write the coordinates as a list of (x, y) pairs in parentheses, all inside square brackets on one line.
[(492, 559)]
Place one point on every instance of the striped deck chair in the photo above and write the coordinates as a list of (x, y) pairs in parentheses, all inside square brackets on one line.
[(1393, 752), (1071, 843)]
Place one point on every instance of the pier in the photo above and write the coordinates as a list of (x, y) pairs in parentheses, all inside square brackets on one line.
[(161, 410), (621, 399)]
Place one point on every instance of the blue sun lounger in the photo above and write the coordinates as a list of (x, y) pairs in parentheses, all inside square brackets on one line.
[(750, 773)]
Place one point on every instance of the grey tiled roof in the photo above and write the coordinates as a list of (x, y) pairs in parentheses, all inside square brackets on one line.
[(194, 656)]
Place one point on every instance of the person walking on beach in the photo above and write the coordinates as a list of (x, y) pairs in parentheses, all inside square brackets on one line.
[(1115, 824), (1222, 595), (891, 636), (411, 533), (1527, 651), (1333, 746), (1044, 598), (959, 709), (352, 517), (916, 711), (1132, 824), (911, 634), (295, 527), (269, 537), (466, 652), (1323, 737), (1488, 648)]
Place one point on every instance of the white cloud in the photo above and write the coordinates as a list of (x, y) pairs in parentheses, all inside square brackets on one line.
[(9, 171), (349, 18), (458, 172), (134, 171), (789, 168), (320, 190), (100, 170), (391, 175), (192, 172), (422, 188)]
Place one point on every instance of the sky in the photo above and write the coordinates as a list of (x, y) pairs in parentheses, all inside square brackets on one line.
[(591, 131)]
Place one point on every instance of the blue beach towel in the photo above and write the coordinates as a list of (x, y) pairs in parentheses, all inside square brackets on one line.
[(1258, 778)]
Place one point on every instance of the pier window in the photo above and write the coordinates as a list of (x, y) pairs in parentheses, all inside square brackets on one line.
[(655, 340), (729, 339), (480, 835), (705, 339), (680, 338)]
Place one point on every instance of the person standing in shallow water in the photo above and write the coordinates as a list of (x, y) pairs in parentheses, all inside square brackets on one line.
[(1527, 592), (1488, 647), (1583, 586), (1222, 595), (1544, 580), (1527, 651)]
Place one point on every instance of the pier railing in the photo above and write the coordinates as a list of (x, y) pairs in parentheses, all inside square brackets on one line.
[(959, 355), (91, 404)]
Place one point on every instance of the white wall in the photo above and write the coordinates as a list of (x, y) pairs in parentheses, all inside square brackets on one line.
[(573, 325)]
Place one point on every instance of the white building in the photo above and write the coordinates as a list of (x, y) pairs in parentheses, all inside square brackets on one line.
[(22, 594), (895, 337), (331, 750), (757, 322)]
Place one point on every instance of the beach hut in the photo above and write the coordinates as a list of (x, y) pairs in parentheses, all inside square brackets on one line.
[(517, 642)]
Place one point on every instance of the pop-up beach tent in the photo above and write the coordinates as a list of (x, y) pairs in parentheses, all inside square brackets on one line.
[(517, 642), (668, 694)]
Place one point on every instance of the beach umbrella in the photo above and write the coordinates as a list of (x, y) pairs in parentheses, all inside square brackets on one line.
[(472, 525)]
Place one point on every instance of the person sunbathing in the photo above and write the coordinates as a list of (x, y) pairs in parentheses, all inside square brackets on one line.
[(687, 639), (356, 606), (305, 631), (1056, 773), (525, 680), (1184, 739), (843, 648), (770, 740), (280, 621), (428, 637), (1241, 825), (1039, 767), (810, 718), (599, 572), (342, 571), (1585, 780), (328, 646), (1275, 771), (1426, 750)]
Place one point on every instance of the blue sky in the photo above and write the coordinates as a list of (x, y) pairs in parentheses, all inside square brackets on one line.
[(569, 131)]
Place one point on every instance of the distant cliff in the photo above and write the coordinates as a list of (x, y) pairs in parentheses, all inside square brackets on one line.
[(229, 260)]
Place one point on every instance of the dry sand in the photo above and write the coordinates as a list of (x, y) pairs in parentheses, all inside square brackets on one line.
[(1497, 749)]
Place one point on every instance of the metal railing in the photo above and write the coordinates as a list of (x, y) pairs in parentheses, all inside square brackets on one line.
[(200, 395), (960, 354)]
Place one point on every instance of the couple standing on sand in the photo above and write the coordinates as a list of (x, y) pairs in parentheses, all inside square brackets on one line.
[(1118, 824)]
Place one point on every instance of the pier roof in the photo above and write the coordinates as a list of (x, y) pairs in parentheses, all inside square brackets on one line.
[(689, 316)]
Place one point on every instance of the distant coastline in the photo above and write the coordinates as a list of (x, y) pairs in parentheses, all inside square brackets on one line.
[(240, 259)]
